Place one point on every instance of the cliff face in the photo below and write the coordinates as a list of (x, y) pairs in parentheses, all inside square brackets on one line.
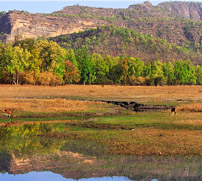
[(17, 23), (144, 18), (189, 10)]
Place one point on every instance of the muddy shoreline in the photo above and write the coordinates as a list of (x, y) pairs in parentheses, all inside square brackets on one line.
[(134, 106)]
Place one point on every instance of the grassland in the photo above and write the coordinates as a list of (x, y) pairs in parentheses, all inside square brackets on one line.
[(122, 131)]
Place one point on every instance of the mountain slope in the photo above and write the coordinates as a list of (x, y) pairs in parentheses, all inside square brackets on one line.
[(177, 22), (119, 41)]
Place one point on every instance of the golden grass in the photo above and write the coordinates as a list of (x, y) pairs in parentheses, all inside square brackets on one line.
[(150, 141), (48, 105), (194, 107), (135, 93), (189, 122)]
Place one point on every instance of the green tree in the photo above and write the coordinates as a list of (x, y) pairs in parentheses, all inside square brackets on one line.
[(155, 73), (99, 68), (180, 74), (52, 56), (13, 60), (115, 70), (168, 70), (72, 57), (124, 70), (191, 72), (136, 67), (199, 74), (184, 72), (85, 66)]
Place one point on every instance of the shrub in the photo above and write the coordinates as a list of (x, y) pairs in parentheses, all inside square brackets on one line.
[(48, 78), (27, 78), (133, 80)]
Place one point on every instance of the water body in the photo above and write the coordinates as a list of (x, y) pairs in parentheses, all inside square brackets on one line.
[(53, 159), (41, 176)]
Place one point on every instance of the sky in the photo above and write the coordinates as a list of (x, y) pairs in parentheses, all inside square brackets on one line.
[(48, 6)]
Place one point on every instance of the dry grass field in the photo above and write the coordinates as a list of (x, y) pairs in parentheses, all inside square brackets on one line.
[(56, 105), (66, 98), (123, 131), (135, 93)]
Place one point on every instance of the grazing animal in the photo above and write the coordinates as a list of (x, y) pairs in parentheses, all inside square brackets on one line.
[(9, 123), (10, 114), (174, 110)]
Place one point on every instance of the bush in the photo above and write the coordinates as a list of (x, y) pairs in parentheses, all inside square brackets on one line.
[(27, 78), (5, 79), (136, 80), (159, 80), (104, 80), (48, 78)]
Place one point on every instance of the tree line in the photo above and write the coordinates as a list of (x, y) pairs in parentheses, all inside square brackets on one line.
[(43, 62)]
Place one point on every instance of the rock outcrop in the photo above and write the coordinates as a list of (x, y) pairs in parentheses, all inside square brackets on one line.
[(26, 25), (158, 21), (188, 10)]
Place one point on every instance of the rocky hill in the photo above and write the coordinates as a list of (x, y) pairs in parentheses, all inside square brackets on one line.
[(189, 10), (27, 25), (109, 40), (176, 22)]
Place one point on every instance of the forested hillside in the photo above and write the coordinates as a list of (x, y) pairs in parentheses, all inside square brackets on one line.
[(44, 62), (116, 41), (176, 22)]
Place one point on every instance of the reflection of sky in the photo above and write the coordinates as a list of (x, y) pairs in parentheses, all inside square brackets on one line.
[(49, 176)]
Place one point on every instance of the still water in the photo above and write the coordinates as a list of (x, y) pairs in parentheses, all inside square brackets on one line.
[(41, 176), (61, 159)]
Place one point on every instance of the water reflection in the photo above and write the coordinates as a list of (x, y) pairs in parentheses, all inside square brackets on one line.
[(60, 158), (41, 176), (72, 159)]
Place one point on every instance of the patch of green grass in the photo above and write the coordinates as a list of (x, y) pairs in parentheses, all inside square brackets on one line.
[(43, 119)]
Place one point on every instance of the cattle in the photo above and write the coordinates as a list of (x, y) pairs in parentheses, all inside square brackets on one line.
[(10, 114)]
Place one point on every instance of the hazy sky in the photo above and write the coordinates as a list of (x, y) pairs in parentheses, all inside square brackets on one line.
[(48, 6)]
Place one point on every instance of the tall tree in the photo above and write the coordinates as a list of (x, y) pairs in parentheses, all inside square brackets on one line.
[(168, 70), (51, 54), (199, 74), (71, 74), (85, 65), (99, 68), (14, 60)]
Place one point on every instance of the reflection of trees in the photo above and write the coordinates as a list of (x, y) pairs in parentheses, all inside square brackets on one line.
[(25, 140), (86, 148), (77, 166), (82, 159), (29, 146)]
